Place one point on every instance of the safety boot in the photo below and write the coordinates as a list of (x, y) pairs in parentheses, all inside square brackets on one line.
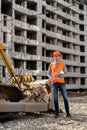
[(68, 115), (56, 114)]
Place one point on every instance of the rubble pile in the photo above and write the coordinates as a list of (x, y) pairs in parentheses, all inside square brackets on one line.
[(33, 90), (38, 91)]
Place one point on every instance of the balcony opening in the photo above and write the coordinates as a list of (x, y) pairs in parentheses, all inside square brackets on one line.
[(81, 17), (43, 10), (82, 81), (19, 32), (82, 48), (20, 2), (65, 21), (66, 10), (50, 27), (6, 7), (43, 51), (31, 65), (82, 70), (82, 38), (73, 80), (5, 20), (4, 37), (18, 63), (66, 33), (32, 50), (19, 16), (75, 57), (81, 6), (43, 24), (69, 68), (66, 45), (18, 47), (70, 80), (66, 56), (47, 65), (43, 38), (50, 40), (32, 20), (43, 66), (82, 59), (50, 2), (50, 14), (32, 35), (81, 27), (67, 80), (49, 53), (32, 5), (3, 71)]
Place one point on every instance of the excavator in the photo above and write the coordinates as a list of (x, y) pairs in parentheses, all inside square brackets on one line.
[(13, 99)]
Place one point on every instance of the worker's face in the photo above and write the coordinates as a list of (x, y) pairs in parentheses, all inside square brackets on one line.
[(57, 58)]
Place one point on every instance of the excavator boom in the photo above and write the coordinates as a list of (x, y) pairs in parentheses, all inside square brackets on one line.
[(7, 63), (6, 60)]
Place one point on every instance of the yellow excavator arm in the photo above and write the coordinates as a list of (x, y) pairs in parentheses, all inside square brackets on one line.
[(7, 63), (10, 67), (6, 60)]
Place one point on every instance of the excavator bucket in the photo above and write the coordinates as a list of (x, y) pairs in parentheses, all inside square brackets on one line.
[(10, 93)]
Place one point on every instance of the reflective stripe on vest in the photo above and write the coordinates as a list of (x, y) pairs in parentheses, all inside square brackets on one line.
[(55, 70)]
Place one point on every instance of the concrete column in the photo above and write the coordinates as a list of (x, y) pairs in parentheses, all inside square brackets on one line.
[(39, 6), (39, 39), (78, 83), (86, 61), (39, 69)]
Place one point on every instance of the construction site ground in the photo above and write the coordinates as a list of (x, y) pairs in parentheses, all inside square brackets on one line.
[(46, 121)]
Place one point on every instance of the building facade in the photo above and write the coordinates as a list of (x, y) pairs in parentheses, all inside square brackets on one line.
[(32, 29)]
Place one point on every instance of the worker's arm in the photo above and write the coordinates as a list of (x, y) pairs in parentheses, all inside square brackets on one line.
[(49, 73)]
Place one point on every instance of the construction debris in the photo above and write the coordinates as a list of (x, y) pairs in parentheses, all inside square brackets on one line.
[(38, 91), (33, 91)]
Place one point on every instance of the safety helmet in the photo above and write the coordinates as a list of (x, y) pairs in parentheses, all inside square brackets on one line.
[(56, 53)]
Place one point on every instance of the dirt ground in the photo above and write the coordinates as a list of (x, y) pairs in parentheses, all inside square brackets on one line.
[(77, 93), (46, 121)]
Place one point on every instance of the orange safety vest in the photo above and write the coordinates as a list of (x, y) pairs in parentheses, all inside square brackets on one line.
[(56, 70)]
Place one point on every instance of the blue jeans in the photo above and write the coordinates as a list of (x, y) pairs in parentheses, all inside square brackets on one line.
[(62, 87)]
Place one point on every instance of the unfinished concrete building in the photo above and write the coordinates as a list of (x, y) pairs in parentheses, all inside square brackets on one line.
[(32, 29)]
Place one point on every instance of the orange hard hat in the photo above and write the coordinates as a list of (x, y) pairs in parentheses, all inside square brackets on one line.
[(56, 53)]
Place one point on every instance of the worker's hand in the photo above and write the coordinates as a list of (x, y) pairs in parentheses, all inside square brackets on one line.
[(61, 74)]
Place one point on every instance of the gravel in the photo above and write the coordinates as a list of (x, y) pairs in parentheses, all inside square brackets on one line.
[(46, 121)]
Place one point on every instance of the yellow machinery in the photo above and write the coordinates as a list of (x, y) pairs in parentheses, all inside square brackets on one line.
[(14, 95), (7, 90), (7, 62)]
